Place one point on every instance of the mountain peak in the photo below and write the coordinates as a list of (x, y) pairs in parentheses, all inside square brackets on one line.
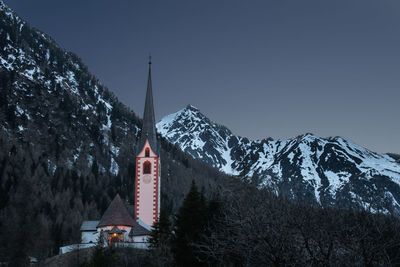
[(182, 117), (320, 168), (191, 111), (191, 107), (307, 136)]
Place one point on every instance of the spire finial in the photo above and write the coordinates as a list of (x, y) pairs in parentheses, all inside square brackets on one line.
[(149, 58)]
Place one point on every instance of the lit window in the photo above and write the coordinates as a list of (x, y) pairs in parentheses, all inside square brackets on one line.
[(147, 167), (147, 152)]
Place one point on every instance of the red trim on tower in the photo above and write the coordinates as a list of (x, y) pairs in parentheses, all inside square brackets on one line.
[(155, 214), (137, 188), (154, 198)]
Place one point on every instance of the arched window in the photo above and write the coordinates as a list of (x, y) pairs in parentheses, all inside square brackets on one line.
[(147, 152), (147, 167)]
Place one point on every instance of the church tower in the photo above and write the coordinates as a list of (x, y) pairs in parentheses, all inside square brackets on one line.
[(148, 173)]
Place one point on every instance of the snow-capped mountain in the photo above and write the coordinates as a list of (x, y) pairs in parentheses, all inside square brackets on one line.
[(328, 170), (42, 84)]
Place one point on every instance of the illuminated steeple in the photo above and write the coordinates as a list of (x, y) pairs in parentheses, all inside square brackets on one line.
[(148, 164), (148, 128)]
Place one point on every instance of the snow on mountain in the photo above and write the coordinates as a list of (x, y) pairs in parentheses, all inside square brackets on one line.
[(327, 170), (67, 145), (196, 139), (49, 98), (47, 91)]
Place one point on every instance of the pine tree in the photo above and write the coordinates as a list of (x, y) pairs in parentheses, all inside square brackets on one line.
[(160, 241), (99, 258), (161, 234), (190, 223)]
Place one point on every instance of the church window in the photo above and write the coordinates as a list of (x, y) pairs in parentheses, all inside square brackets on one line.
[(147, 152), (147, 167)]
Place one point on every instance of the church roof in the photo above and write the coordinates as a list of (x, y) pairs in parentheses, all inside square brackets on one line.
[(138, 230), (148, 127), (116, 214), (89, 225)]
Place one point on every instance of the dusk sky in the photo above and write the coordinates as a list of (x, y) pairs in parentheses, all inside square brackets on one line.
[(271, 68)]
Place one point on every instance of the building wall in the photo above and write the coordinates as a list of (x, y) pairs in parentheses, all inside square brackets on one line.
[(89, 237), (141, 238), (125, 235)]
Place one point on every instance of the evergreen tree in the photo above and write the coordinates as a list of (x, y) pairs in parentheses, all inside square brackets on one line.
[(102, 257), (161, 233), (190, 223), (99, 258), (160, 241)]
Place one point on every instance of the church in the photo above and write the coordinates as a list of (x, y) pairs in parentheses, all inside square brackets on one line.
[(118, 227)]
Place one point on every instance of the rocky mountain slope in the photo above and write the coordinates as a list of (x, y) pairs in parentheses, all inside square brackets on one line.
[(43, 85), (67, 145), (326, 170)]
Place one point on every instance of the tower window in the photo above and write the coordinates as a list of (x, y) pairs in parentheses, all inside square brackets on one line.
[(147, 152), (147, 167)]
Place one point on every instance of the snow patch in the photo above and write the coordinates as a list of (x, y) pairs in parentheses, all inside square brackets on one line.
[(114, 168), (114, 150), (90, 161), (337, 180)]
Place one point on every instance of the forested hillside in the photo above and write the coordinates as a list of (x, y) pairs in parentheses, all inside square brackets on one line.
[(67, 145)]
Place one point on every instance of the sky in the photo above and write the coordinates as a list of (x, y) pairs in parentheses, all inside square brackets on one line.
[(270, 68)]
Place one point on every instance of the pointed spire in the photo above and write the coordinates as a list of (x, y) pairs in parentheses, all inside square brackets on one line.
[(148, 127)]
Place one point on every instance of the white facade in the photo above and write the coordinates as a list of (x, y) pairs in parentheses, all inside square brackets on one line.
[(147, 204), (89, 232), (89, 237)]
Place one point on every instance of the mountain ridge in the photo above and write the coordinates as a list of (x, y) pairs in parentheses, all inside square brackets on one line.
[(328, 170)]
